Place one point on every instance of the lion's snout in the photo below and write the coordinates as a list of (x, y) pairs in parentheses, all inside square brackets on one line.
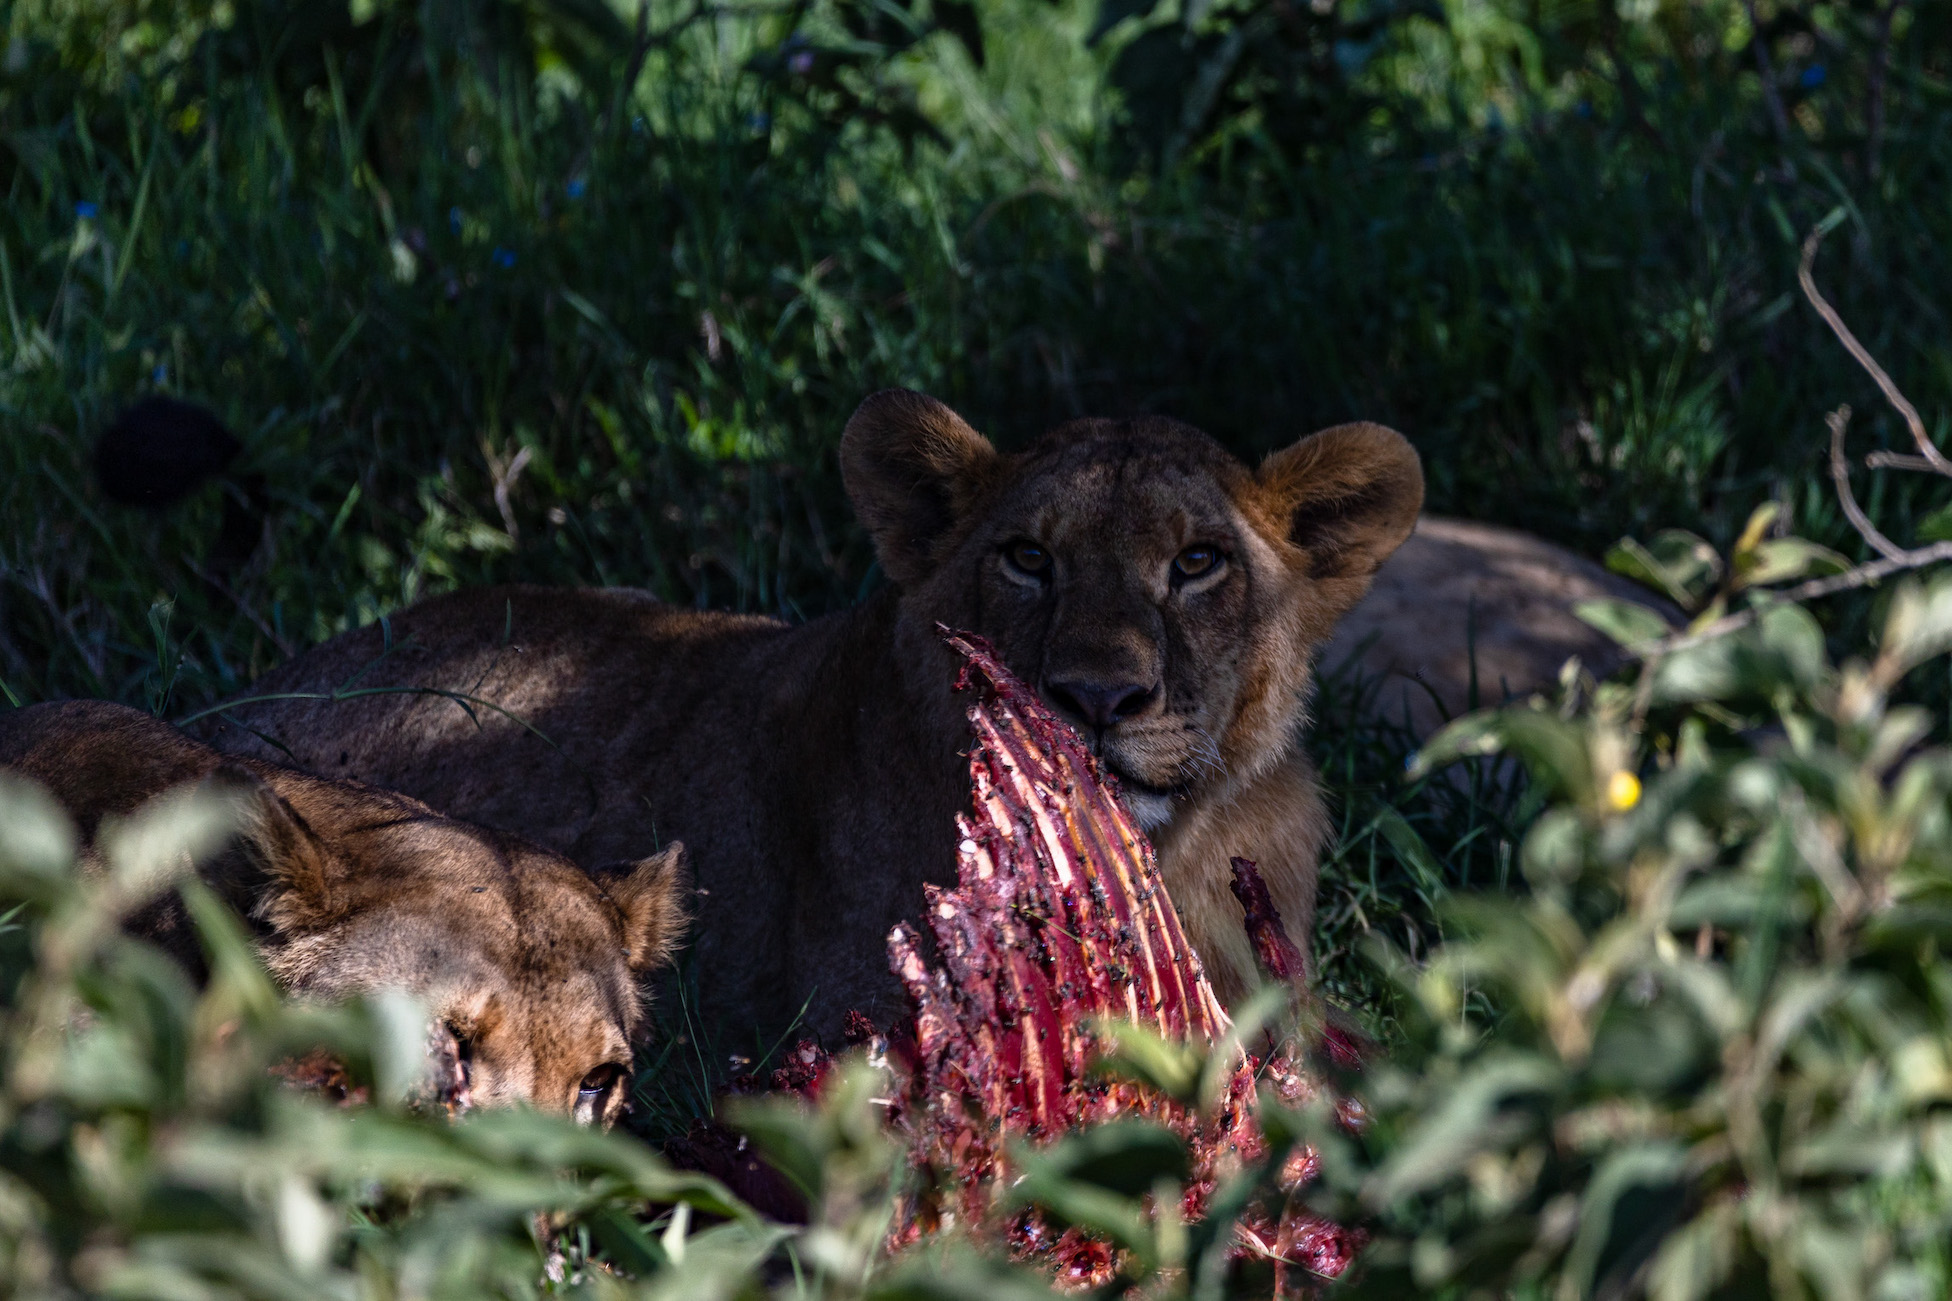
[(1100, 704)]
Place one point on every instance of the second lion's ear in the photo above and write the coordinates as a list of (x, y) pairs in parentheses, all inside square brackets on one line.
[(286, 849), (651, 893), (1345, 498), (909, 462)]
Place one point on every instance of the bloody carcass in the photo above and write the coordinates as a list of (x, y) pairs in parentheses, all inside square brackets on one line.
[(1060, 921)]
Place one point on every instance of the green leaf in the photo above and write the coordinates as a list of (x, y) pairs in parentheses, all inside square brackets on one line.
[(1133, 1052), (1628, 623), (1852, 1148), (1793, 638), (1113, 12), (1467, 737), (1918, 626), (1780, 559), (1632, 1202), (1676, 562), (1412, 850), (36, 838), (1251, 1016), (1554, 850), (1121, 1156), (1493, 1106), (1937, 526), (1116, 1216), (1709, 671), (161, 840), (1651, 1051), (1697, 1258), (956, 1274), (958, 18), (1552, 748)]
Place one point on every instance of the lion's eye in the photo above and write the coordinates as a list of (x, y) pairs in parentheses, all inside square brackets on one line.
[(599, 1081), (1028, 558), (1195, 561)]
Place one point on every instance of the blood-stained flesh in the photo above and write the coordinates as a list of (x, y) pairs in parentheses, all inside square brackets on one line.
[(1058, 922)]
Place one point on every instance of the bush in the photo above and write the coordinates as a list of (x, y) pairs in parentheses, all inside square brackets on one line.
[(1704, 1056), (1717, 1065)]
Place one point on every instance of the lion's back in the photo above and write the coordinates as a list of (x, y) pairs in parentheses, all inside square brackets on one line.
[(510, 706)]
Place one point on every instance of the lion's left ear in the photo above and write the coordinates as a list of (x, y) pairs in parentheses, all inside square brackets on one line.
[(296, 861), (1345, 498), (909, 462), (652, 894)]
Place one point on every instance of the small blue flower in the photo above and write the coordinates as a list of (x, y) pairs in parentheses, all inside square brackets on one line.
[(86, 210), (800, 63), (1584, 108), (1813, 76), (576, 187), (454, 219), (160, 375), (758, 123), (503, 258)]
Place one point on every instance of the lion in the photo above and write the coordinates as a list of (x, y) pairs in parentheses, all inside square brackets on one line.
[(1162, 596), (531, 963)]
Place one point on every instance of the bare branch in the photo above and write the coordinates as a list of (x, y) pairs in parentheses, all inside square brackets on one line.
[(1897, 461), (1839, 421), (1861, 576), (1894, 559), (1926, 448)]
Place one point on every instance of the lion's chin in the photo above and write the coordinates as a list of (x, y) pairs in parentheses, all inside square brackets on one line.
[(1150, 809), (1151, 806)]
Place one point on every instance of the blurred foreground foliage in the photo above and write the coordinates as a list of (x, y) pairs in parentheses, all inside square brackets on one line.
[(1705, 1055), (148, 1150), (1718, 1064)]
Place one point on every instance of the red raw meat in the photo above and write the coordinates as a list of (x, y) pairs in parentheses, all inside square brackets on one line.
[(1060, 918)]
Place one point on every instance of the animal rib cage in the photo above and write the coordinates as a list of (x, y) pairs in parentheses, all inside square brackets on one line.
[(1058, 922)]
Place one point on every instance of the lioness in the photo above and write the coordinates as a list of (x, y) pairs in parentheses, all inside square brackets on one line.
[(1156, 591), (530, 961)]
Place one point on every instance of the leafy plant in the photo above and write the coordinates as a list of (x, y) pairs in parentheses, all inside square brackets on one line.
[(147, 1150), (1716, 1064)]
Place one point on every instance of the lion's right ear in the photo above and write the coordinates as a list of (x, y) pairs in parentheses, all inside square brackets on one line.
[(651, 893), (909, 463), (284, 848), (1343, 499)]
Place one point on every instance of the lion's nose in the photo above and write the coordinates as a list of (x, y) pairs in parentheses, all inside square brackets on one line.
[(1101, 704)]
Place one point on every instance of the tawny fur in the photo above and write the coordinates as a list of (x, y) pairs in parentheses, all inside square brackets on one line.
[(531, 960), (814, 771)]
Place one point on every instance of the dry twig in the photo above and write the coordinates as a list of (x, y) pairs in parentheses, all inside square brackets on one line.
[(1894, 559), (1927, 450)]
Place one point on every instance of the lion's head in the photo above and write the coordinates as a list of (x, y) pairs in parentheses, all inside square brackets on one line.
[(1162, 595), (531, 962)]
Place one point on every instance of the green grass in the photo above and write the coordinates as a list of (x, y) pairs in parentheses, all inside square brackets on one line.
[(401, 258)]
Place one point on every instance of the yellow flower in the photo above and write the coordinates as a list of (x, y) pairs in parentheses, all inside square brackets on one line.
[(1622, 791)]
